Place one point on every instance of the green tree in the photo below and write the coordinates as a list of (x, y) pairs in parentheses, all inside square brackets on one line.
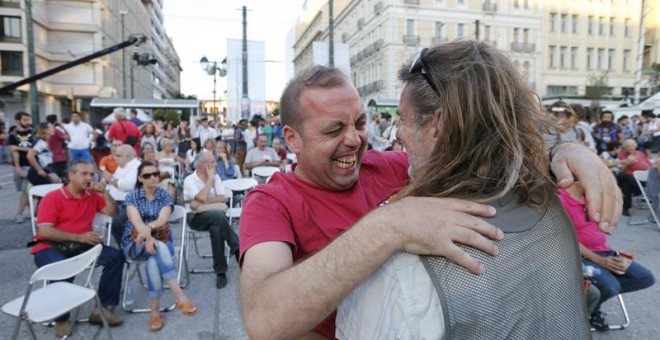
[(185, 113), (167, 115), (597, 86)]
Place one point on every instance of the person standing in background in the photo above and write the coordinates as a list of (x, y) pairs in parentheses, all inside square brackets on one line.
[(57, 145), (20, 143), (80, 134), (3, 139)]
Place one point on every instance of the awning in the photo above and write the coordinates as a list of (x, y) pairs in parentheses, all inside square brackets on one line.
[(384, 103), (146, 103)]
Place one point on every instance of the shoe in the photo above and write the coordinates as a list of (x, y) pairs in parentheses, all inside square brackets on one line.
[(625, 212), (220, 281), (156, 323), (62, 328), (95, 318), (19, 218), (188, 308), (598, 322)]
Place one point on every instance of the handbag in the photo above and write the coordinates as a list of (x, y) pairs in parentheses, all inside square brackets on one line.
[(130, 140), (70, 248), (212, 206), (161, 234)]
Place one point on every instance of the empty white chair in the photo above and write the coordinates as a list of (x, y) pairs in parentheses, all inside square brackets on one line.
[(642, 176), (35, 193), (47, 303), (238, 186), (264, 171)]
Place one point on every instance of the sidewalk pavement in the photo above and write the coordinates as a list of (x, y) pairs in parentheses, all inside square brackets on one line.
[(219, 316)]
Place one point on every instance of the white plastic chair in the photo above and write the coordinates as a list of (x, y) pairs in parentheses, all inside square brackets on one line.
[(264, 172), (626, 317), (57, 298), (642, 176), (38, 191), (177, 216), (241, 185)]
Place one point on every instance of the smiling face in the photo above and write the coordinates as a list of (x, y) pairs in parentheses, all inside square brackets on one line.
[(332, 137)]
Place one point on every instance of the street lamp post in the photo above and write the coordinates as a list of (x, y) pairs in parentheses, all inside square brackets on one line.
[(212, 68), (123, 55)]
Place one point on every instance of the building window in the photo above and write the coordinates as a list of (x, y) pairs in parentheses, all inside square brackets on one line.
[(612, 27), (574, 23), (601, 26), (525, 37), (574, 52), (12, 63), (563, 24), (516, 3), (599, 58), (460, 32), (438, 29), (590, 57), (553, 51), (626, 59), (516, 34), (627, 28), (487, 32), (562, 57), (526, 4), (553, 18), (11, 27), (525, 71), (610, 59), (461, 2), (590, 25), (410, 27)]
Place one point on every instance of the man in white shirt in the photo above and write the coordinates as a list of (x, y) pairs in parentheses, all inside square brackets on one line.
[(81, 135), (121, 183), (206, 194), (206, 132), (262, 155)]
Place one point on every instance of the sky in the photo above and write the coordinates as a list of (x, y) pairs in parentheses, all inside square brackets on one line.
[(201, 28)]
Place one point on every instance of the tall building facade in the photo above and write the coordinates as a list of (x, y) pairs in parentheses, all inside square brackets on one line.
[(559, 47), (67, 30)]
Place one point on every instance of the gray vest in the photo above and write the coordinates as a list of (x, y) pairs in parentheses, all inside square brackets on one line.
[(531, 290)]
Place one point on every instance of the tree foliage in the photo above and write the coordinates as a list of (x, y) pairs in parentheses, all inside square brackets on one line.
[(597, 86)]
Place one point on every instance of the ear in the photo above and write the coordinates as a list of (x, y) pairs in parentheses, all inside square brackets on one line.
[(292, 138), (435, 124)]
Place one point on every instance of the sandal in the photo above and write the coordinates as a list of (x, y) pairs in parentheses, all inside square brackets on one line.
[(156, 323), (188, 308)]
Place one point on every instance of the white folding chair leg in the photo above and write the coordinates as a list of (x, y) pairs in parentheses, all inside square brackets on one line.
[(626, 317)]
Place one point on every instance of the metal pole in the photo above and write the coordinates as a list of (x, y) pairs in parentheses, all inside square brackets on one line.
[(331, 34), (32, 66), (640, 53), (123, 54), (132, 78), (215, 71), (476, 32), (245, 54)]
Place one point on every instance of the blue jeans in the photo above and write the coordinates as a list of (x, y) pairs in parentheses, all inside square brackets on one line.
[(610, 284), (159, 267), (109, 287), (83, 154)]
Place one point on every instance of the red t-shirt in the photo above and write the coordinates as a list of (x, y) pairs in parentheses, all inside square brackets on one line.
[(116, 132), (306, 217), (56, 146), (68, 213), (642, 162)]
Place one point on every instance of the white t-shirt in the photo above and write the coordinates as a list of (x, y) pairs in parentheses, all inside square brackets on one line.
[(44, 156), (79, 134), (192, 185), (256, 154), (205, 134), (126, 177)]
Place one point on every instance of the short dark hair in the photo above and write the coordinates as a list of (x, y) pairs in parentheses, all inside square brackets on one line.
[(20, 115), (316, 76), (602, 114), (51, 119), (622, 118), (76, 113)]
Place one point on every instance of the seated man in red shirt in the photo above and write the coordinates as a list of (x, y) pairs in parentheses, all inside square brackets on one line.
[(633, 159), (65, 219)]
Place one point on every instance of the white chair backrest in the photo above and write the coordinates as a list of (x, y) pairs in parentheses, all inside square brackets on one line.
[(39, 191), (240, 184), (237, 171), (178, 212), (265, 171), (67, 268), (641, 175)]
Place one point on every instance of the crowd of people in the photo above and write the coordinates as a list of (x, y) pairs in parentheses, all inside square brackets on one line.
[(331, 247), (134, 171)]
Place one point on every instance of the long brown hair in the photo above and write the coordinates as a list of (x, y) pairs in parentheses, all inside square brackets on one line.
[(489, 140)]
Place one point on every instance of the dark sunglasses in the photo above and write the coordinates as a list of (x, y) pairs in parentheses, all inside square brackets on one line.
[(419, 66), (148, 175)]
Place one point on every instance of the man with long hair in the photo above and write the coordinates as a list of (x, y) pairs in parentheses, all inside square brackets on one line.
[(305, 240)]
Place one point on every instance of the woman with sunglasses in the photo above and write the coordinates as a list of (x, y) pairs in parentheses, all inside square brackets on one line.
[(149, 207)]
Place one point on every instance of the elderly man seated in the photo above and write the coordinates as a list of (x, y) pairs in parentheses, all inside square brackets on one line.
[(206, 194), (121, 183), (262, 155), (65, 230)]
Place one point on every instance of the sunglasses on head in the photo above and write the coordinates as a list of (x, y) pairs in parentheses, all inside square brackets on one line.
[(419, 66), (149, 174)]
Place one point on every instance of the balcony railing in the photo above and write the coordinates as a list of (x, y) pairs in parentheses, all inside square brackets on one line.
[(522, 47), (439, 40), (378, 7), (411, 2), (412, 40)]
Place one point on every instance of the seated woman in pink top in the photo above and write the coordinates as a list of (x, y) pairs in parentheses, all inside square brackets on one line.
[(614, 278), (633, 159)]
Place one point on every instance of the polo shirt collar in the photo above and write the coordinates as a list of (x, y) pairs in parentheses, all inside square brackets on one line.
[(68, 195)]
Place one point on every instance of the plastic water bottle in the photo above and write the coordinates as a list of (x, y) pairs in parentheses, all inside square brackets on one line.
[(590, 271)]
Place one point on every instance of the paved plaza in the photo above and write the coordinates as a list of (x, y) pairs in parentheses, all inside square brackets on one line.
[(219, 316)]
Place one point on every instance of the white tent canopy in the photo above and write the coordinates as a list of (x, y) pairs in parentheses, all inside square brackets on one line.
[(143, 116)]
